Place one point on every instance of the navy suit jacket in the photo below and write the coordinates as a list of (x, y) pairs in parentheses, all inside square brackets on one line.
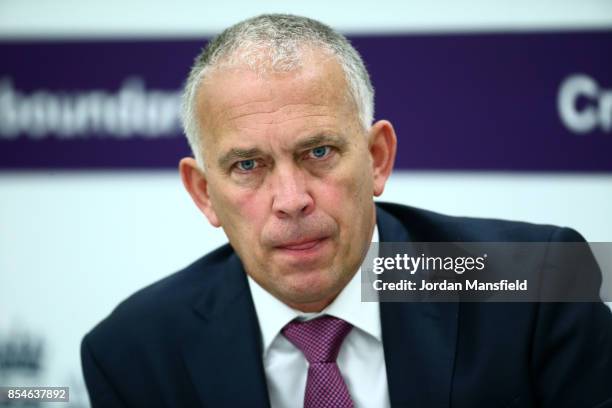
[(192, 339)]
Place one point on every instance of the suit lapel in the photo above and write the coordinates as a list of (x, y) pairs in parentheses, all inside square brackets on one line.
[(419, 339), (223, 352)]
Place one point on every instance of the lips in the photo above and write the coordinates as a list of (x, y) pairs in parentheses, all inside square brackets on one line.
[(301, 245), (305, 252)]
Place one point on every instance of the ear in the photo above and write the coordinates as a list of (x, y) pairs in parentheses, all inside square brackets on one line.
[(382, 145), (196, 184)]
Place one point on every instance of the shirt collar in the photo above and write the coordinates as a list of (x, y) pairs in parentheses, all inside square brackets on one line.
[(273, 314)]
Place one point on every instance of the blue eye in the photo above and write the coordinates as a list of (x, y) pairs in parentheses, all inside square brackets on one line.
[(246, 165), (320, 152)]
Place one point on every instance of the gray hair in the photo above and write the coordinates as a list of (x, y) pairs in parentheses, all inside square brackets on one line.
[(275, 41)]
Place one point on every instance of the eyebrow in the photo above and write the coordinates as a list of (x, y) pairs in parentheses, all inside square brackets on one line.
[(320, 140), (237, 154)]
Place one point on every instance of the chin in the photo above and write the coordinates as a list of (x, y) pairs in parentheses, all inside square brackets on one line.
[(315, 287)]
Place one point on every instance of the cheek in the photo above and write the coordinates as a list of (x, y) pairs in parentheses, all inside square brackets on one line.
[(241, 213), (346, 194)]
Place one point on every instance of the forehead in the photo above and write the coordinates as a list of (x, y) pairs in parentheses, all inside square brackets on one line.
[(239, 98)]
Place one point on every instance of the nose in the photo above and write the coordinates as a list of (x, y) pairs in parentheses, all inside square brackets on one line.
[(291, 197)]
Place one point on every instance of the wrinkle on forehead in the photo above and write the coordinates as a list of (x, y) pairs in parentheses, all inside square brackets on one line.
[(275, 111)]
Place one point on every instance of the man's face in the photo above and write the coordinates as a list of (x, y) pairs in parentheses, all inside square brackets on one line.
[(289, 177)]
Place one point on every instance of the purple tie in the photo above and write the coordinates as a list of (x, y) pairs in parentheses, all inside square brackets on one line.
[(320, 340)]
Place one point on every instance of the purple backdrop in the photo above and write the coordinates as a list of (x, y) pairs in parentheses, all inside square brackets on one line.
[(519, 101)]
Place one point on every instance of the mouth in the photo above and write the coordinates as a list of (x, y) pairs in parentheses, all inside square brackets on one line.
[(302, 245), (304, 251)]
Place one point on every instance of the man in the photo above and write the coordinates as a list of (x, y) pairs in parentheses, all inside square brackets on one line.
[(278, 111)]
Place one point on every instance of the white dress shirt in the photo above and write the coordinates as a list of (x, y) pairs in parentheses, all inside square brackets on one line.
[(361, 358)]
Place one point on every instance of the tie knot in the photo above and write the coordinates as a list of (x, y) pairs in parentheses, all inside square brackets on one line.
[(318, 339)]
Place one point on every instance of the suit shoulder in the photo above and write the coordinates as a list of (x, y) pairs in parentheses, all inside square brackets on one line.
[(158, 304), (430, 226)]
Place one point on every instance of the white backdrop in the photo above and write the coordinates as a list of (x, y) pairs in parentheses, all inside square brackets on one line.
[(74, 244)]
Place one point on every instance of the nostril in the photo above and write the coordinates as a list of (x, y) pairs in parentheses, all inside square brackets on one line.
[(295, 205)]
